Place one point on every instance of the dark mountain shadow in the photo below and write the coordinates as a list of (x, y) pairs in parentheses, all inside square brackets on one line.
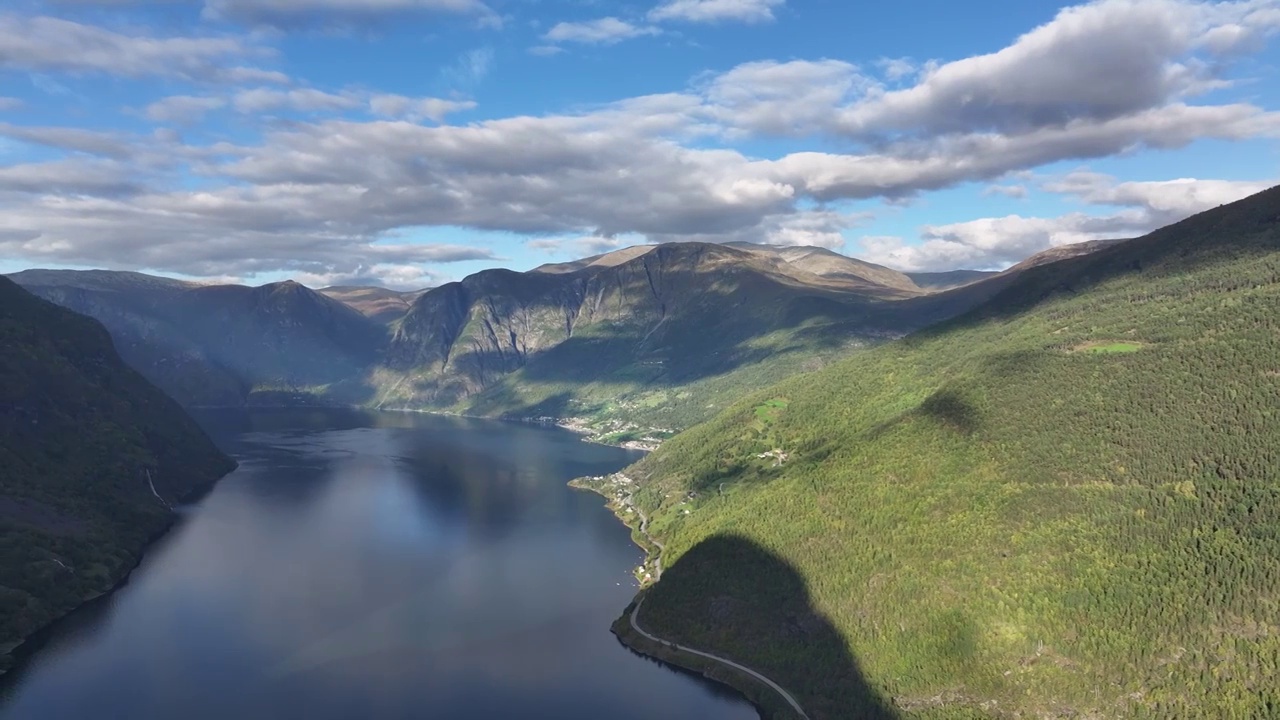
[(734, 598), (952, 407), (691, 349), (227, 424)]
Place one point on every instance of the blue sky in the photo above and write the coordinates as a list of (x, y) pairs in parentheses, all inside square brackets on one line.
[(410, 142)]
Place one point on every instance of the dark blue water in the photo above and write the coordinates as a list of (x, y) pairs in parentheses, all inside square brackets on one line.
[(373, 565)]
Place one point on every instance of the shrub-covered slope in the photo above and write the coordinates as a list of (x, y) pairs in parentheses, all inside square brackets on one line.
[(91, 457), (1064, 503)]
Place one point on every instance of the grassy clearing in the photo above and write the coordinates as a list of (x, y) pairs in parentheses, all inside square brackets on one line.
[(1108, 347), (770, 410)]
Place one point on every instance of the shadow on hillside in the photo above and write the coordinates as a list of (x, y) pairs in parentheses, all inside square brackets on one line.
[(507, 402), (952, 407), (342, 394), (708, 330), (691, 349), (730, 596)]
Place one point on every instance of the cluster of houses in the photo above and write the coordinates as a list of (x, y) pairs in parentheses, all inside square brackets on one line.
[(778, 456)]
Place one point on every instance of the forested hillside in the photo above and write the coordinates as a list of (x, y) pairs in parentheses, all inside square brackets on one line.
[(92, 456), (1065, 503)]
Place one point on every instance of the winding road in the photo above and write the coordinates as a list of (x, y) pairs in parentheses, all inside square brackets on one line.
[(657, 557), (635, 625)]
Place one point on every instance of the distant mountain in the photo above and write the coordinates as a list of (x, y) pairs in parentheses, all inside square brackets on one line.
[(225, 344), (849, 272), (377, 303), (1062, 503), (102, 280), (651, 337), (92, 456), (660, 335), (609, 259), (811, 265)]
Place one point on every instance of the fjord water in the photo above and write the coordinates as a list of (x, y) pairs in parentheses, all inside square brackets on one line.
[(373, 565)]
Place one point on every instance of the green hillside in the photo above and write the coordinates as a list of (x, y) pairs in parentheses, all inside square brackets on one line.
[(1065, 503), (91, 458)]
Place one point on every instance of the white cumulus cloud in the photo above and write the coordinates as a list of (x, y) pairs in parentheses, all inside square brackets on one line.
[(994, 243), (602, 31), (712, 11)]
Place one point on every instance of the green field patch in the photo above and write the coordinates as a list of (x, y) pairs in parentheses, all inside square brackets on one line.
[(770, 410), (1100, 347)]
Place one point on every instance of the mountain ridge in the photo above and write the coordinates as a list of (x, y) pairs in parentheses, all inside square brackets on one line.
[(812, 264), (377, 303), (655, 337), (525, 344)]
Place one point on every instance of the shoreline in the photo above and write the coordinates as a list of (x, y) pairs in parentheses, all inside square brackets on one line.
[(569, 424), (30, 645), (768, 703), (21, 652)]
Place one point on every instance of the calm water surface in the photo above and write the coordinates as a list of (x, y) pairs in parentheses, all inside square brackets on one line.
[(373, 565)]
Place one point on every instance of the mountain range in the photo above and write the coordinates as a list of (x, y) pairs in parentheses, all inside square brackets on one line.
[(635, 344)]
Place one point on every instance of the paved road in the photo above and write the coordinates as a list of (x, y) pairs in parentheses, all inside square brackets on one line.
[(657, 557), (724, 661)]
